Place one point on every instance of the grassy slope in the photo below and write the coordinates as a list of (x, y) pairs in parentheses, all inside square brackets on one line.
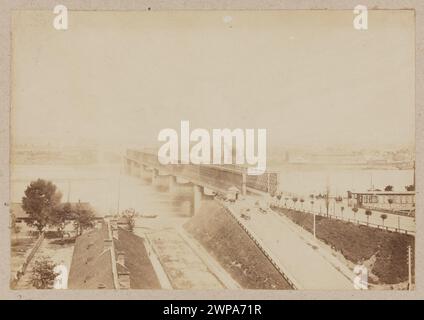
[(358, 242), (217, 231)]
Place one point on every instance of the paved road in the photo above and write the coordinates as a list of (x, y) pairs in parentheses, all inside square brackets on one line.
[(300, 259)]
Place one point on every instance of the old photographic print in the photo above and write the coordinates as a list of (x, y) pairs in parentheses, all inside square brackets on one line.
[(212, 150)]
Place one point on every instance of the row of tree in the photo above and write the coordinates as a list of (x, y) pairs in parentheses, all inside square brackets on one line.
[(410, 187), (42, 203), (368, 212)]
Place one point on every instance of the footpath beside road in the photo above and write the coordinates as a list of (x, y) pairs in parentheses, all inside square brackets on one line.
[(184, 268), (394, 222), (154, 260), (300, 259), (222, 275)]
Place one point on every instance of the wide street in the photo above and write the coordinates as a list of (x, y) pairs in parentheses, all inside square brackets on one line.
[(298, 257)]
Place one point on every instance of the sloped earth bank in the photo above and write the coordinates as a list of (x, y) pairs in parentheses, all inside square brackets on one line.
[(385, 251), (228, 243)]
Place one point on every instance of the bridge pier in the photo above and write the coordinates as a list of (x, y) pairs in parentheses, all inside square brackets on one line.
[(142, 170), (127, 166), (172, 183), (243, 184), (132, 168), (145, 173), (136, 170), (154, 175), (199, 195)]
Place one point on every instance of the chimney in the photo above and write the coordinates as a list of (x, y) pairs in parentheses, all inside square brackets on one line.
[(107, 243), (124, 280), (121, 258)]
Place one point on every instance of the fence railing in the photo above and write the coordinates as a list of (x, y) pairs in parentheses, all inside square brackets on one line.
[(261, 247), (21, 271), (222, 176)]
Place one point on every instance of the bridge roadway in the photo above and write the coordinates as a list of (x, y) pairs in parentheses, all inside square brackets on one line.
[(212, 178)]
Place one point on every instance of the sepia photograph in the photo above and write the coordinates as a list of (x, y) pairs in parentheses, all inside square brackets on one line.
[(212, 150)]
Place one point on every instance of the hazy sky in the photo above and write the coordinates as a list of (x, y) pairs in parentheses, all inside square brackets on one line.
[(309, 78)]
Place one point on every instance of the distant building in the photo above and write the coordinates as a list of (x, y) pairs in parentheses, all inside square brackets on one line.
[(109, 257), (22, 216), (384, 200), (19, 213)]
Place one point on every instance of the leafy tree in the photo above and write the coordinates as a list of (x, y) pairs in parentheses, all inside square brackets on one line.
[(312, 205), (83, 218), (390, 201), (355, 210), (341, 210), (130, 215), (60, 217), (40, 202), (43, 275), (14, 225), (411, 187), (301, 202), (383, 217), (368, 213), (294, 199), (388, 188)]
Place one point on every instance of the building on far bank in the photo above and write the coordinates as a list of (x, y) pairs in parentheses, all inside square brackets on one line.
[(387, 201)]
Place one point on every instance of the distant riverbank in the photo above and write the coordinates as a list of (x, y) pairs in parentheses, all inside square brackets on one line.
[(307, 179)]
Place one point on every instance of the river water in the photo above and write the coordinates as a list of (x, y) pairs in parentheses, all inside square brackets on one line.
[(307, 181), (105, 187), (109, 191)]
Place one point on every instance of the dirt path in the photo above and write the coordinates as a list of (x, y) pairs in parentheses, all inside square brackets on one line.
[(213, 265), (183, 266)]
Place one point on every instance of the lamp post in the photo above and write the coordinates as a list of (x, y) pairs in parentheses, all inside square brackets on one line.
[(409, 269)]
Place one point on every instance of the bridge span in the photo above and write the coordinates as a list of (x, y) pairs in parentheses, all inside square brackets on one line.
[(206, 179)]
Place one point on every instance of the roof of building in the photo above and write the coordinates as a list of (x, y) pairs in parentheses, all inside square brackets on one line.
[(91, 265), (16, 209), (233, 189)]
